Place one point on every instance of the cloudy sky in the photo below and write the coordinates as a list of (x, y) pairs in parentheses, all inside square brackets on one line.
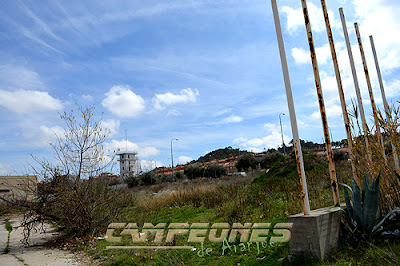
[(205, 72)]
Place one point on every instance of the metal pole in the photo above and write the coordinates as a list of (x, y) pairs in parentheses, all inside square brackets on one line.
[(371, 93), (292, 113), (357, 87), (332, 170), (283, 142), (341, 93), (385, 103), (172, 158), (378, 70)]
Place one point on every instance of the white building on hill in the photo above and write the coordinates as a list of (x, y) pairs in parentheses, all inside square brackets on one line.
[(128, 164)]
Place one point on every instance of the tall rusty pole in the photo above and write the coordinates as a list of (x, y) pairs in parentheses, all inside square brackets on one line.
[(385, 103), (341, 93), (371, 94), (356, 85), (292, 113), (332, 170)]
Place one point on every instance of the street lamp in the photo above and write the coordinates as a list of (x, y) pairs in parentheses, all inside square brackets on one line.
[(283, 142), (172, 158)]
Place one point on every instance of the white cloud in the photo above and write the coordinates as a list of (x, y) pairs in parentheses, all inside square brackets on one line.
[(301, 56), (295, 18), (255, 149), (184, 96), (52, 131), (18, 77), (222, 112), (174, 113), (42, 136), (255, 142), (122, 145), (112, 125), (239, 140), (387, 37), (184, 159), (123, 102), (392, 88), (87, 97), (5, 169), (148, 165), (323, 54), (233, 119), (273, 140), (332, 111), (148, 152), (270, 127), (25, 101)]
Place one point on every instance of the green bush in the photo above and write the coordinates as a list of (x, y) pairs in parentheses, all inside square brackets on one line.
[(246, 161), (193, 171), (114, 181), (270, 158), (133, 180), (179, 175), (148, 178), (215, 171)]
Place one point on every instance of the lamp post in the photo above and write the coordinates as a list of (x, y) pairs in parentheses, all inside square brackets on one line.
[(172, 158), (283, 142)]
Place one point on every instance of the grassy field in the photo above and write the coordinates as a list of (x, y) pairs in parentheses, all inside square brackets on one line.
[(259, 197)]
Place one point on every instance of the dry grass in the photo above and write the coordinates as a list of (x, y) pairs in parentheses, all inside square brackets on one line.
[(199, 192), (390, 182)]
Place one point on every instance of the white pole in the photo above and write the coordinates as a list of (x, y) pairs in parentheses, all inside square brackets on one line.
[(356, 85), (292, 113)]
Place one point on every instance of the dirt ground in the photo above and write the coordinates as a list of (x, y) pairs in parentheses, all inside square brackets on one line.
[(39, 251)]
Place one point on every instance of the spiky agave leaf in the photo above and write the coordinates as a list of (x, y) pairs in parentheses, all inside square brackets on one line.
[(377, 228), (349, 206), (370, 204), (357, 205)]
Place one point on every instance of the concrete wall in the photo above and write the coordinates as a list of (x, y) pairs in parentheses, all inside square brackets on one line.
[(21, 187), (317, 234)]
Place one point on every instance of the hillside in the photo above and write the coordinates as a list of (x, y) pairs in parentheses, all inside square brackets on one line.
[(220, 154)]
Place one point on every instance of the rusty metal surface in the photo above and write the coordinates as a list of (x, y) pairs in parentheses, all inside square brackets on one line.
[(371, 94), (292, 113), (340, 90), (332, 170), (356, 85), (385, 103)]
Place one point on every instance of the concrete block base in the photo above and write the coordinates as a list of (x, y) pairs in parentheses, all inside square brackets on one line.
[(317, 234)]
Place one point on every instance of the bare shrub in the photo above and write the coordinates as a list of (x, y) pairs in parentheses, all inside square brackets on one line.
[(83, 209), (65, 194)]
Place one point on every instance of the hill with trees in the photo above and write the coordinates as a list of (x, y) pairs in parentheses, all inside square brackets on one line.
[(220, 154)]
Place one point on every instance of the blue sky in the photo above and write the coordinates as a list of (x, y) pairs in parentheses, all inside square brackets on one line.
[(205, 72)]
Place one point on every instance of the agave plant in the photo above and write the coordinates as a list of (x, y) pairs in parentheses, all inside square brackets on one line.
[(361, 210)]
